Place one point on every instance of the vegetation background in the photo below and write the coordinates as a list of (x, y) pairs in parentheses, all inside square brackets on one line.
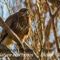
[(44, 35)]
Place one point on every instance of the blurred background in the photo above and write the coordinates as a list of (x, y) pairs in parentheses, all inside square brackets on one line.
[(42, 34)]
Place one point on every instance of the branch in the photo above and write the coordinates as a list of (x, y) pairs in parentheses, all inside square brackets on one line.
[(52, 21), (9, 31), (56, 39), (16, 38)]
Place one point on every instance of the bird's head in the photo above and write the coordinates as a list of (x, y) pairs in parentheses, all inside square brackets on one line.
[(23, 13)]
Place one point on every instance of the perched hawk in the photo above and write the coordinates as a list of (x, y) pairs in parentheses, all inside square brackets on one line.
[(19, 23)]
